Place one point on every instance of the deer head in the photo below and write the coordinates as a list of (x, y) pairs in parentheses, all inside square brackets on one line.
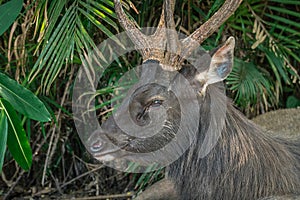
[(152, 110)]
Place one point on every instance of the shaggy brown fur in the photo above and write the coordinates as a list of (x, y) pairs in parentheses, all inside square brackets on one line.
[(245, 163)]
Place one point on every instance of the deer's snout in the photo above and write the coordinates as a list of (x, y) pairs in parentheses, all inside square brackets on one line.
[(101, 147)]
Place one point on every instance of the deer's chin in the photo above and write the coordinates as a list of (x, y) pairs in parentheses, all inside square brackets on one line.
[(106, 155), (105, 158)]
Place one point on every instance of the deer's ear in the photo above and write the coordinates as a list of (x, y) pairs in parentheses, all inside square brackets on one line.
[(221, 62), (220, 66)]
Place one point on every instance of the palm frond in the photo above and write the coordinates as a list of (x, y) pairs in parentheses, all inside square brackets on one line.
[(64, 33), (274, 42), (249, 84), (56, 50)]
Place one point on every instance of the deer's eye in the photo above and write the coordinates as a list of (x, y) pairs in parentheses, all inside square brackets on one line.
[(156, 103)]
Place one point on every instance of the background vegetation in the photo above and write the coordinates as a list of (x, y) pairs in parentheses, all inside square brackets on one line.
[(42, 51)]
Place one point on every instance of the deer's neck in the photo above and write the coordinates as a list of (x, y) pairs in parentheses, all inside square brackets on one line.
[(244, 163)]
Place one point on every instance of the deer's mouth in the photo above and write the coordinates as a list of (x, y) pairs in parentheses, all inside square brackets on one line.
[(102, 148), (100, 152)]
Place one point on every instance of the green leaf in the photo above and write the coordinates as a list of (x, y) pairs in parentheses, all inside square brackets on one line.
[(277, 66), (248, 83), (57, 51), (292, 2), (292, 102), (55, 11), (100, 6), (285, 10), (96, 22), (23, 100), (284, 20), (98, 13), (17, 142), (3, 137), (8, 13)]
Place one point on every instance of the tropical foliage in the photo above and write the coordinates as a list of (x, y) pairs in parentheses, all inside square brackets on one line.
[(16, 97), (43, 44)]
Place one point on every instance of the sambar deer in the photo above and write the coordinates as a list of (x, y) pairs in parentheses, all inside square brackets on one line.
[(243, 163)]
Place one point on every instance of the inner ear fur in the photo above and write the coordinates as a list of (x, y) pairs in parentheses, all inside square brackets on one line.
[(220, 66)]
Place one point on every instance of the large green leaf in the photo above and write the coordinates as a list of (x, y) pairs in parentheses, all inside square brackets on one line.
[(8, 13), (17, 142), (23, 100), (3, 137)]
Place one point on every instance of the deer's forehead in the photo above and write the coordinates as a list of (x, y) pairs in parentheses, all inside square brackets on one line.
[(149, 91), (198, 61)]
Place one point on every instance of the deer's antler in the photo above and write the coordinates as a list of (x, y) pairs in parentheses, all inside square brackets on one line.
[(164, 44), (137, 37), (209, 27)]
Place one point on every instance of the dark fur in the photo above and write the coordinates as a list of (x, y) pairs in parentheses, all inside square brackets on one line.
[(245, 163)]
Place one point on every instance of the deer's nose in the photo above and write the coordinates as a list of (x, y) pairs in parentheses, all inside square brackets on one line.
[(96, 146), (102, 148), (101, 151)]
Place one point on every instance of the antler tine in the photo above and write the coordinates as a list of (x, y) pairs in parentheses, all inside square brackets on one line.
[(137, 37), (173, 45), (209, 27), (165, 39), (166, 36), (169, 6), (166, 20), (159, 31)]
